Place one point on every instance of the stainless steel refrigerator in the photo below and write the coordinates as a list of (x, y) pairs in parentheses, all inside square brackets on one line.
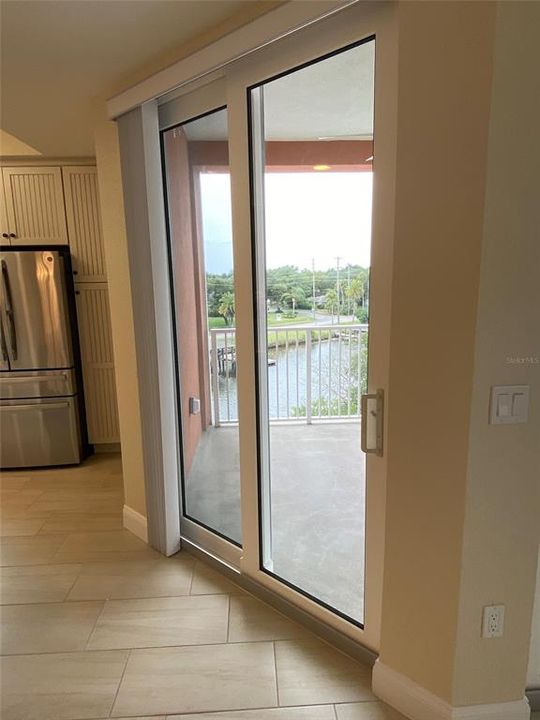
[(41, 402)]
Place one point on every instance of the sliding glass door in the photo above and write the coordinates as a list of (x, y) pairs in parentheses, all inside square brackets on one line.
[(196, 165), (279, 177), (312, 161)]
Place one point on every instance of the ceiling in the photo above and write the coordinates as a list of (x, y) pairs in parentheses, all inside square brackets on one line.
[(60, 59)]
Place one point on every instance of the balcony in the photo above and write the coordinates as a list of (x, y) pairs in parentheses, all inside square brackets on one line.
[(316, 373)]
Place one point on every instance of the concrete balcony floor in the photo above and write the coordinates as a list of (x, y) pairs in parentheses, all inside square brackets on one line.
[(317, 499)]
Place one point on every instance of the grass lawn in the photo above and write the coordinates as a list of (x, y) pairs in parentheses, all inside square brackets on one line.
[(298, 320), (219, 322), (216, 322)]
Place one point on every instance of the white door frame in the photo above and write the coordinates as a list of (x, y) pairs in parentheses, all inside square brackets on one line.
[(331, 34), (152, 320), (155, 359), (200, 101)]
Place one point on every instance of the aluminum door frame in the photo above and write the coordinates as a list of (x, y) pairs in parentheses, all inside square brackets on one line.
[(209, 98)]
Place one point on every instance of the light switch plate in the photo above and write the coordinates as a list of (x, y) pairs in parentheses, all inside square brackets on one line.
[(509, 404)]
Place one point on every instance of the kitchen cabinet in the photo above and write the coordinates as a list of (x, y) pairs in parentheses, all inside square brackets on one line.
[(84, 223), (97, 362), (34, 212)]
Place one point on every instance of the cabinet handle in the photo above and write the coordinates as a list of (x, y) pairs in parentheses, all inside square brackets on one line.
[(5, 235), (75, 272), (12, 235)]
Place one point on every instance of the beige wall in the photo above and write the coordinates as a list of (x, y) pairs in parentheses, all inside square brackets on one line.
[(463, 504), (115, 242), (10, 146), (533, 673), (502, 520), (445, 52)]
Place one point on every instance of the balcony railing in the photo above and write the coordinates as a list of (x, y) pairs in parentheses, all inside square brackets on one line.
[(315, 372)]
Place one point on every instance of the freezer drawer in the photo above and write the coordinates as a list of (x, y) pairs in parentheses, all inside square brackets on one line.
[(39, 432), (37, 384)]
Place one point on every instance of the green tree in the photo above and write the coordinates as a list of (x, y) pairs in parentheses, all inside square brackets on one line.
[(226, 307), (293, 298), (331, 300), (355, 291), (216, 287)]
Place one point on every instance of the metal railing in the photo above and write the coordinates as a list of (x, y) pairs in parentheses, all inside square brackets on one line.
[(315, 372)]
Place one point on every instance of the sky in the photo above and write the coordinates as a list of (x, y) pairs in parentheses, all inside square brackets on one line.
[(318, 215)]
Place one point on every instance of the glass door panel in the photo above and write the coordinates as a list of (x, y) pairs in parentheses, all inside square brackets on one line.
[(196, 159), (312, 160)]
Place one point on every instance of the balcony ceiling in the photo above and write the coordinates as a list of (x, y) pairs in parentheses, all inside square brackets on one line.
[(61, 59), (331, 100)]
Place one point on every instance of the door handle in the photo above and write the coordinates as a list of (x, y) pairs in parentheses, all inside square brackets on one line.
[(9, 310), (372, 423)]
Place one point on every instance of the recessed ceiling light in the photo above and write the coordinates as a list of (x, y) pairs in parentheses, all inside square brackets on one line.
[(321, 167)]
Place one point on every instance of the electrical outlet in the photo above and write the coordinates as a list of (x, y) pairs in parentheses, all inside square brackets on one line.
[(493, 621)]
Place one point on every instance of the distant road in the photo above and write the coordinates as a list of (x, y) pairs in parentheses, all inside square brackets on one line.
[(322, 319)]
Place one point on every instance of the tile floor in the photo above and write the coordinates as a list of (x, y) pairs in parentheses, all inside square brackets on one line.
[(95, 624)]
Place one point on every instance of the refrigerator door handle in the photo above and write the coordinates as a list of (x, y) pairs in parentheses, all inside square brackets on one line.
[(41, 407), (5, 356), (9, 310), (62, 375)]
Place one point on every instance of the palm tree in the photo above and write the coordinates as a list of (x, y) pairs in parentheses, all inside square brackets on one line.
[(355, 291), (293, 297), (331, 301), (226, 307)]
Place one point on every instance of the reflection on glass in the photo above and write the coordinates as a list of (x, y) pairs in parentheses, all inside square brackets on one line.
[(199, 205), (312, 152)]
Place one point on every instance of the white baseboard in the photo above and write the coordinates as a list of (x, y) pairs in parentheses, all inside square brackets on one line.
[(417, 703), (135, 523), (533, 696)]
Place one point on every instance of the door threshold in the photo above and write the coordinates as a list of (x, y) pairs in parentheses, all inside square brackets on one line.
[(322, 630)]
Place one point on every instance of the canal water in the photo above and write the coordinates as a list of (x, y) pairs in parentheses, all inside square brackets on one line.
[(338, 369)]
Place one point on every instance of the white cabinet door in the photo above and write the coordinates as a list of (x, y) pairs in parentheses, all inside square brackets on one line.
[(84, 223), (35, 205), (4, 227), (97, 362)]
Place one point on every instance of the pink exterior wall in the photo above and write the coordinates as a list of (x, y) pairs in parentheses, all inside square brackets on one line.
[(296, 156), (190, 325)]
